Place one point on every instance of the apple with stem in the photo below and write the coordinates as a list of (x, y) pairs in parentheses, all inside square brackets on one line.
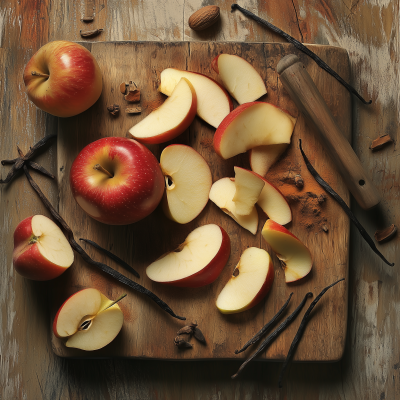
[(63, 79)]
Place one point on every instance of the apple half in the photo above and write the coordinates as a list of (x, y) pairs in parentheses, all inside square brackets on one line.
[(252, 125), (171, 119), (239, 78), (263, 157), (41, 250), (213, 102), (294, 255), (198, 261), (88, 321), (188, 182), (222, 193), (250, 282)]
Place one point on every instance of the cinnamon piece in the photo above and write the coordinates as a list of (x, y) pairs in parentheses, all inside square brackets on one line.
[(88, 34), (381, 142), (384, 235), (122, 87), (133, 110)]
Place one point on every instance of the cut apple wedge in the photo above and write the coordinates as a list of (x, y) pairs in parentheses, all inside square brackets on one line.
[(248, 189), (252, 125), (263, 157), (198, 261), (251, 281), (294, 255), (239, 78), (222, 193), (89, 320), (213, 102), (171, 119), (188, 182)]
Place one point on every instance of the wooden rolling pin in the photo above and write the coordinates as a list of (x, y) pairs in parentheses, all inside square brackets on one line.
[(309, 101)]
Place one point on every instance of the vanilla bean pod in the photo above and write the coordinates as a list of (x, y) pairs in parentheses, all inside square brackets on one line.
[(322, 64), (274, 334), (108, 253), (344, 206), (103, 267), (265, 328), (300, 331)]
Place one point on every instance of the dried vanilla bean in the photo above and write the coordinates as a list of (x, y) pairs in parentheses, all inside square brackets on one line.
[(344, 206), (322, 64)]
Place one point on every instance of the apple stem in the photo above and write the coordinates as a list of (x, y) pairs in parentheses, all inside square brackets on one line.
[(34, 73), (100, 168)]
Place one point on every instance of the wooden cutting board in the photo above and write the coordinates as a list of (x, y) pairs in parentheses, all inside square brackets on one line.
[(148, 331)]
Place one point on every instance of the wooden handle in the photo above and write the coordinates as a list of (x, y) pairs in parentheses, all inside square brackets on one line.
[(309, 101)]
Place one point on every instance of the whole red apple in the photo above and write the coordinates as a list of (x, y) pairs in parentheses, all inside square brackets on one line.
[(117, 181), (41, 251), (63, 79)]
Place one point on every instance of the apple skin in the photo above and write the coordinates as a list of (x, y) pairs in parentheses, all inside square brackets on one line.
[(27, 259), (75, 81), (209, 273), (130, 195), (274, 226), (214, 64)]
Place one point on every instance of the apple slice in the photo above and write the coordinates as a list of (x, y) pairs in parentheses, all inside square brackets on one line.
[(262, 157), (102, 323), (248, 188), (198, 261), (239, 78), (41, 251), (213, 102), (222, 193), (293, 254), (171, 119), (250, 282), (251, 125), (188, 182)]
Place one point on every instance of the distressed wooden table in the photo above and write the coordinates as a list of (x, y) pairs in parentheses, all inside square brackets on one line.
[(369, 30)]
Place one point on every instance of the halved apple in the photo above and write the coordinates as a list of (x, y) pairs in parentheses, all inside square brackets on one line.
[(222, 193), (213, 102), (251, 125), (239, 77), (250, 282), (188, 182), (294, 255), (263, 157), (171, 119), (198, 261), (88, 321), (248, 189)]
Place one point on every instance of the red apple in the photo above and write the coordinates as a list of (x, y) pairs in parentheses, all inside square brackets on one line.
[(116, 181), (63, 79), (41, 251)]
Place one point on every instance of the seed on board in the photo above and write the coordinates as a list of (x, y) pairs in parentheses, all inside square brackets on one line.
[(204, 18)]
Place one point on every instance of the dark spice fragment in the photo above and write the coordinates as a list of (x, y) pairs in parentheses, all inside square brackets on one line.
[(88, 34), (344, 206), (185, 330), (298, 181), (182, 343), (302, 48), (87, 19), (133, 110), (386, 234), (113, 109), (381, 142), (265, 328), (301, 329), (198, 335), (193, 329)]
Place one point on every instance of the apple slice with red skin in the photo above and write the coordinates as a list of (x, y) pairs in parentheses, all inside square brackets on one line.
[(41, 251), (169, 120), (239, 78), (213, 102), (250, 282), (263, 157), (198, 261), (251, 125), (293, 254), (103, 322), (188, 182)]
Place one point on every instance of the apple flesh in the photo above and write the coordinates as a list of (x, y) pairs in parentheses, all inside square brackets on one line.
[(171, 119), (213, 102), (293, 254), (103, 322), (252, 125), (63, 79), (198, 261), (129, 190), (222, 193), (239, 78), (41, 251), (251, 281), (188, 182), (263, 157)]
